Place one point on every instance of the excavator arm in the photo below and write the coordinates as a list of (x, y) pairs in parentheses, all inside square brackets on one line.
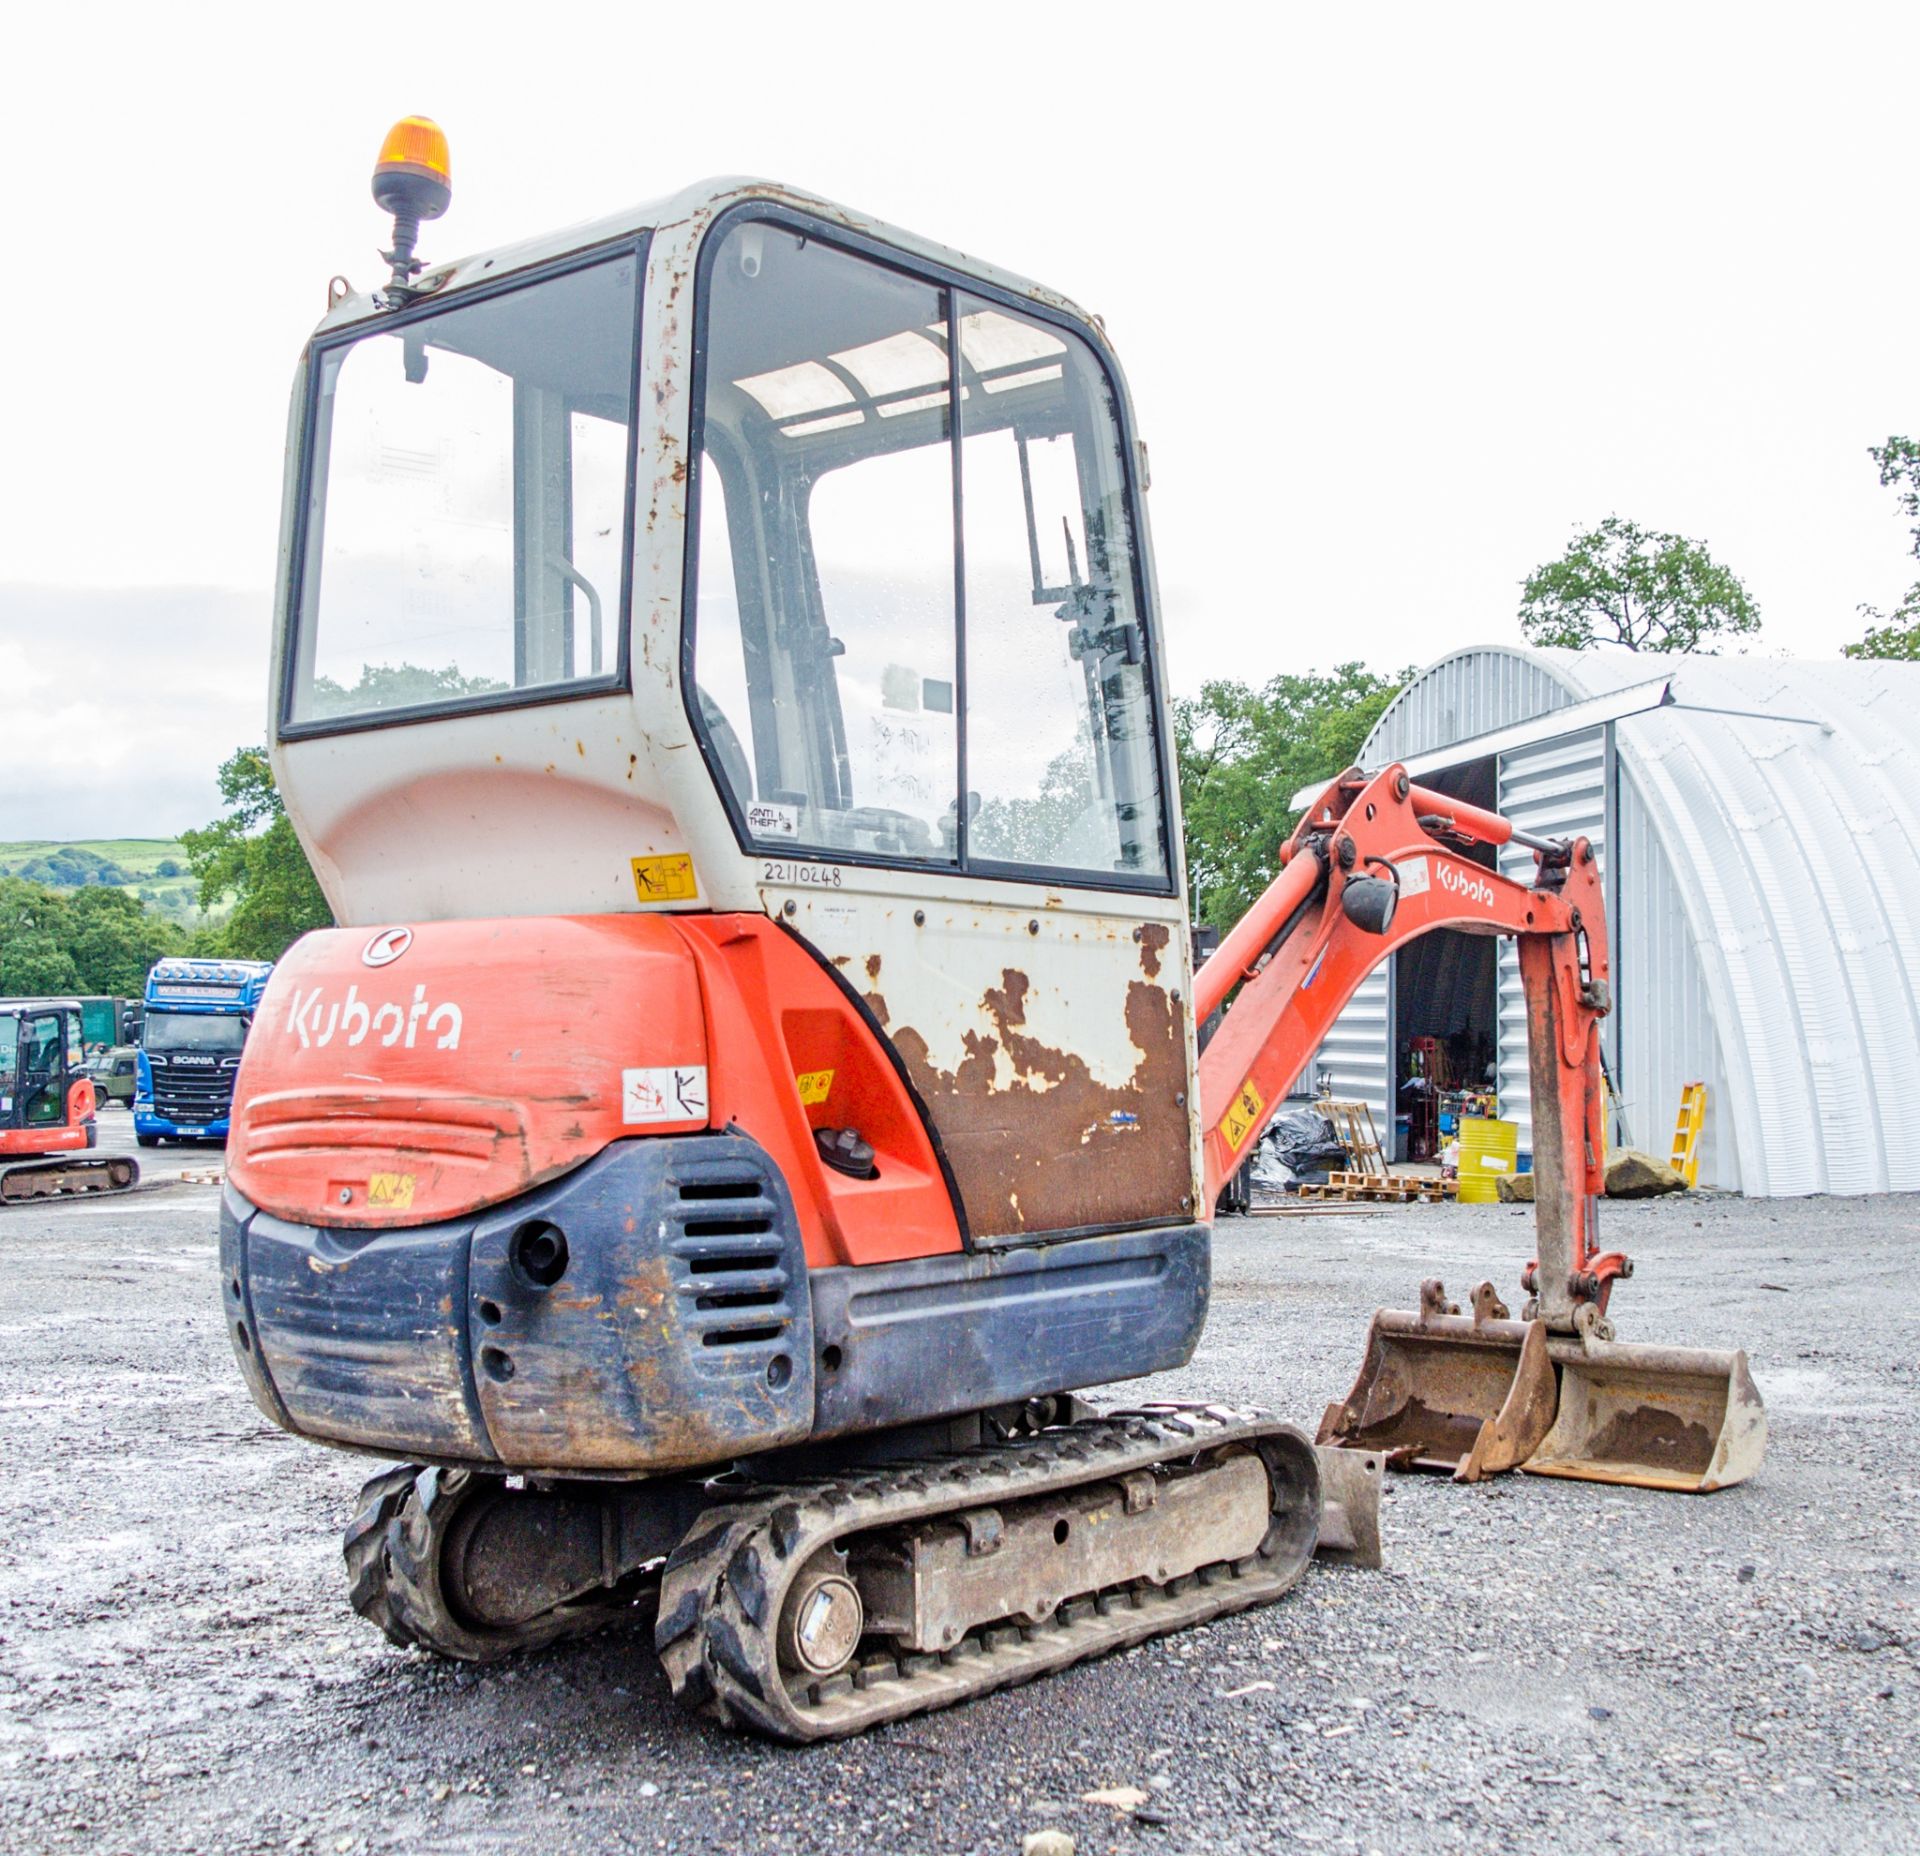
[(1376, 862)]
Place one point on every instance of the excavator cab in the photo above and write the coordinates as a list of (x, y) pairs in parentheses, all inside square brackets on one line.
[(752, 561)]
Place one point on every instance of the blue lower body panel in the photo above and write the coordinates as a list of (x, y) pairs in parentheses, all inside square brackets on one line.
[(900, 1342), (652, 1312), (647, 1312)]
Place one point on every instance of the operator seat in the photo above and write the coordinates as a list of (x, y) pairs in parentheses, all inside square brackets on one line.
[(726, 743)]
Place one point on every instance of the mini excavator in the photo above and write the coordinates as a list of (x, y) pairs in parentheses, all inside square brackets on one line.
[(47, 1109), (753, 1089)]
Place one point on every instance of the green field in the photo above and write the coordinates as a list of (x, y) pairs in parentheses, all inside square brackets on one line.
[(121, 863)]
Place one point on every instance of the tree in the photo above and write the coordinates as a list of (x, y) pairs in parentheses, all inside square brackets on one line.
[(1896, 633), (34, 961), (396, 686), (114, 941), (1244, 753), (251, 852), (1623, 584)]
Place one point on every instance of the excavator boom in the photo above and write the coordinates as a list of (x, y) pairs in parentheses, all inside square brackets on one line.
[(1375, 863)]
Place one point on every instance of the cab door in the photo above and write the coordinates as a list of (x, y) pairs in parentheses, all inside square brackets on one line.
[(43, 1070), (922, 677)]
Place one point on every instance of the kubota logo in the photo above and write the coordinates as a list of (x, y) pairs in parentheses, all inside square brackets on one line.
[(387, 946), (356, 1019), (1468, 888)]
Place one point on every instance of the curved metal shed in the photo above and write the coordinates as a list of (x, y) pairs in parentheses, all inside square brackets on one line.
[(1760, 832)]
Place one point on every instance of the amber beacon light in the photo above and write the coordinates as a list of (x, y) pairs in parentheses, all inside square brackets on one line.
[(412, 180)]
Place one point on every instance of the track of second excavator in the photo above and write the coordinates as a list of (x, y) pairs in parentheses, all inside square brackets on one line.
[(66, 1176)]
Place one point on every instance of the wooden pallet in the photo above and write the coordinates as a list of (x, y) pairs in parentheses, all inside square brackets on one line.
[(1353, 1121), (1383, 1188)]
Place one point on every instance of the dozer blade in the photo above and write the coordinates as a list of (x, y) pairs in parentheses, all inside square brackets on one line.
[(1648, 1417), (1471, 1395)]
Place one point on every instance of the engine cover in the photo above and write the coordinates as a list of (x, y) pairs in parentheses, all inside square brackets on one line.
[(402, 1076)]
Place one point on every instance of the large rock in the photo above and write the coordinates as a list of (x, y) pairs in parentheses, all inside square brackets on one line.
[(1634, 1175), (1514, 1188)]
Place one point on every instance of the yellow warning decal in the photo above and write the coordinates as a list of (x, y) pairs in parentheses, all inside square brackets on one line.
[(390, 1192), (665, 879), (815, 1086), (1244, 1111)]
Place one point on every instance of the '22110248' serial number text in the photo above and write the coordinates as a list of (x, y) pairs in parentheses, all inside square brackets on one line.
[(806, 876)]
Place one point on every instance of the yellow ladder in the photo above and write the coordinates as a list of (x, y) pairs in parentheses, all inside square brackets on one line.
[(1686, 1132)]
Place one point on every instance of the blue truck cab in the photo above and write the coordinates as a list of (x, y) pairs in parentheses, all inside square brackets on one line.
[(198, 1014)]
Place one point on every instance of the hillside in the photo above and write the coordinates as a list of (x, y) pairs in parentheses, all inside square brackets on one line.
[(154, 869)]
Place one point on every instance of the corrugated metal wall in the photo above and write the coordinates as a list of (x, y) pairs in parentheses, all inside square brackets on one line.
[(1666, 1037), (1470, 693), (1359, 1051), (1781, 796), (1555, 790)]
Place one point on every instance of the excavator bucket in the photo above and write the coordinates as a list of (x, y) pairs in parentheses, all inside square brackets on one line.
[(1650, 1417), (1471, 1395), (1477, 1395)]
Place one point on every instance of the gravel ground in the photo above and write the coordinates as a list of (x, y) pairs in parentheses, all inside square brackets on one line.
[(1543, 1664)]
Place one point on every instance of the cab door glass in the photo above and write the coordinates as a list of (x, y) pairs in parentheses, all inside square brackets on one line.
[(883, 550), (824, 653), (726, 707), (1060, 748), (835, 506), (43, 1070)]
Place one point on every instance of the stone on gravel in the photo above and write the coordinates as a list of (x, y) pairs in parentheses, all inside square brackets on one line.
[(1120, 1797), (1634, 1175), (1046, 1843), (1514, 1188)]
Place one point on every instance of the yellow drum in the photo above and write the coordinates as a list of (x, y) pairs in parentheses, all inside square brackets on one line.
[(1488, 1149)]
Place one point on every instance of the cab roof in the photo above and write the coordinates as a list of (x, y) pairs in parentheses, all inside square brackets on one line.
[(702, 201)]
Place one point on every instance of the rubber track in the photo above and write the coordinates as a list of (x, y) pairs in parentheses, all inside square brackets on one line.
[(90, 1176), (395, 1552), (723, 1588)]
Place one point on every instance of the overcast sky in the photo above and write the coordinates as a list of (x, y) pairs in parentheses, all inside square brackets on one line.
[(1404, 294)]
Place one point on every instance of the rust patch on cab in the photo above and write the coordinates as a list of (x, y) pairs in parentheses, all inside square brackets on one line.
[(1036, 1143)]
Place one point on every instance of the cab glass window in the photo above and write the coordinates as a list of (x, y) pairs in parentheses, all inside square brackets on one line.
[(467, 496), (865, 685), (1060, 748), (824, 611)]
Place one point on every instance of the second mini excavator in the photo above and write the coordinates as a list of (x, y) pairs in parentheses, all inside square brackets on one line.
[(48, 1126), (719, 685)]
